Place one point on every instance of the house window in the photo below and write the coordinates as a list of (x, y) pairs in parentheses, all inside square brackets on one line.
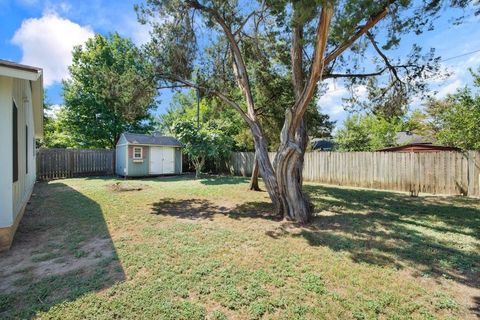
[(26, 149), (15, 141), (137, 152)]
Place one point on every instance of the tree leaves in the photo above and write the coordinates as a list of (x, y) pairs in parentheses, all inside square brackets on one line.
[(111, 90)]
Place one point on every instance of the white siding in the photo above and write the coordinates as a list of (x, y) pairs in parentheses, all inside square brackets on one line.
[(6, 196), (22, 188)]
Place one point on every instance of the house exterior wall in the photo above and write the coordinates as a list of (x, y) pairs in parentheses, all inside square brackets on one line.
[(22, 189), (121, 157), (136, 168), (15, 195)]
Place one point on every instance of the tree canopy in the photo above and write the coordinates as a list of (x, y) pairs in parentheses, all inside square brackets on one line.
[(111, 90), (230, 44), (367, 133), (455, 120)]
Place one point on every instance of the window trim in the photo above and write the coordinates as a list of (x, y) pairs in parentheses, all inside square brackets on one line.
[(141, 153), (15, 151)]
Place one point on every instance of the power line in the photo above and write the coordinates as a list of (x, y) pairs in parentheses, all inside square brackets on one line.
[(460, 55)]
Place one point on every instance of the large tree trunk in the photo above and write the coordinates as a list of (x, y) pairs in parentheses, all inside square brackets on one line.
[(288, 162), (288, 166), (254, 178), (266, 168)]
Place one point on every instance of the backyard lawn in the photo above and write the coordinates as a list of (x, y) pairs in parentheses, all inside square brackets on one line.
[(177, 248)]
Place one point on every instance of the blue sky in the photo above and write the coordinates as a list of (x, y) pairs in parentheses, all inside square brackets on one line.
[(43, 32)]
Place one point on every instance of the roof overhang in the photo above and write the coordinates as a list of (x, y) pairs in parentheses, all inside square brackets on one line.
[(37, 105), (426, 146), (151, 145), (35, 76)]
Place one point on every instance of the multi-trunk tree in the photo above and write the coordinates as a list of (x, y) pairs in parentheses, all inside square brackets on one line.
[(346, 39)]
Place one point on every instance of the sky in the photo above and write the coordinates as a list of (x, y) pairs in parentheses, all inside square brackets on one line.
[(42, 33)]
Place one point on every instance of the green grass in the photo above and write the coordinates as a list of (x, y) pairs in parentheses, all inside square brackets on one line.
[(209, 249)]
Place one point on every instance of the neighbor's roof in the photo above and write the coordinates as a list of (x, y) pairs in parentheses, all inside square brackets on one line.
[(407, 137), (135, 138), (322, 144), (420, 147)]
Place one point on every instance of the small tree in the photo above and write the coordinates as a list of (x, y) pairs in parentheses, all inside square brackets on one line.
[(367, 133), (201, 144)]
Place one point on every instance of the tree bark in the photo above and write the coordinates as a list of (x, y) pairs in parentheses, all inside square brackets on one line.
[(288, 168), (266, 168), (254, 178)]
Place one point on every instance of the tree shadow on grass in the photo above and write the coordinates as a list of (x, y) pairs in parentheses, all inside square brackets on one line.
[(436, 236), (61, 251), (195, 209)]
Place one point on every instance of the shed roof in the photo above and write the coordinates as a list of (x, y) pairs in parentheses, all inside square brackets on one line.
[(144, 139)]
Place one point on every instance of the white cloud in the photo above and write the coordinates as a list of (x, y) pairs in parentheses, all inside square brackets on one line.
[(47, 42), (52, 111), (139, 33), (332, 103)]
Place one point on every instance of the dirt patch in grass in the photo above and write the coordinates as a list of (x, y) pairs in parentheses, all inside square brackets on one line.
[(33, 261), (61, 250), (126, 186)]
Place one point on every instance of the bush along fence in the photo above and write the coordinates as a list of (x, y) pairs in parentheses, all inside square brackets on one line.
[(449, 173), (70, 163)]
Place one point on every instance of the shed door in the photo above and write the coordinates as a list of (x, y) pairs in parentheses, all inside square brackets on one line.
[(168, 160), (156, 156)]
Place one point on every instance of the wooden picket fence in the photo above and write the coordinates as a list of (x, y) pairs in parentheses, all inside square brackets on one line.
[(449, 173), (70, 163)]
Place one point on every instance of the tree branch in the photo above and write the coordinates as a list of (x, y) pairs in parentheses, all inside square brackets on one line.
[(384, 57), (318, 64), (353, 75), (296, 57), (221, 96), (361, 31), (244, 22), (244, 82)]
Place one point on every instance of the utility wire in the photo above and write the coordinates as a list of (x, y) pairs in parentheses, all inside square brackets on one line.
[(461, 55)]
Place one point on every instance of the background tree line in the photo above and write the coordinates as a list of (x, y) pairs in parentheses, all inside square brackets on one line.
[(452, 121)]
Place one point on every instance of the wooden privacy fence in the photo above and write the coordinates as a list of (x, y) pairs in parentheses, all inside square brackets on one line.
[(449, 173), (70, 163)]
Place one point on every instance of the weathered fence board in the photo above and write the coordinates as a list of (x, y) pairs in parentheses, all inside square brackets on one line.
[(445, 172), (70, 163)]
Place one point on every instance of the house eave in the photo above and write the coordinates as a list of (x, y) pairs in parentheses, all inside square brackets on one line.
[(35, 76)]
